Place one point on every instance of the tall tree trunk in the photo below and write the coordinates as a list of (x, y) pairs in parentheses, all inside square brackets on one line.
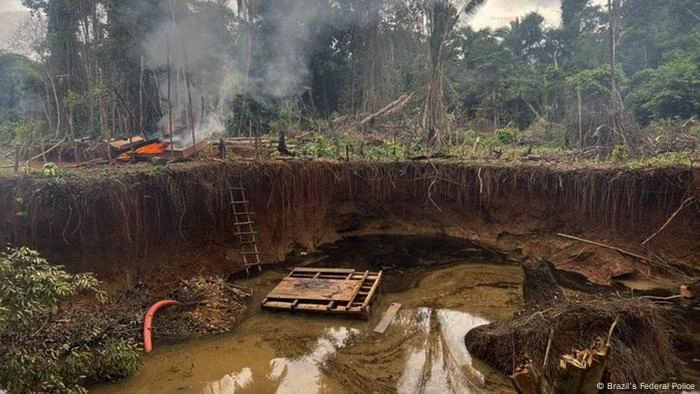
[(104, 117), (580, 117), (613, 7), (58, 105), (141, 85), (170, 103)]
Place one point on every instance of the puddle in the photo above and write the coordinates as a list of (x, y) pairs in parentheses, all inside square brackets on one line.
[(422, 351)]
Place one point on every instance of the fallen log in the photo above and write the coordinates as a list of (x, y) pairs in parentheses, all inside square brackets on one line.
[(48, 150), (390, 108)]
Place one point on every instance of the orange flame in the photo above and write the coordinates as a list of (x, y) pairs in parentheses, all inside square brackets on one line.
[(150, 149)]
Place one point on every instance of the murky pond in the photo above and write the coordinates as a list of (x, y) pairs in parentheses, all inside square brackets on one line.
[(422, 351)]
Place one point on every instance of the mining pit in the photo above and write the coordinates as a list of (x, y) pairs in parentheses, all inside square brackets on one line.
[(451, 238)]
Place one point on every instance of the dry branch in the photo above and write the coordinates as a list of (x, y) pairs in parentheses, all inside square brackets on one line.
[(49, 150), (392, 107), (606, 246), (683, 205)]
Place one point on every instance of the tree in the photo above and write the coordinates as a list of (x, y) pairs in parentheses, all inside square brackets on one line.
[(442, 17), (669, 91)]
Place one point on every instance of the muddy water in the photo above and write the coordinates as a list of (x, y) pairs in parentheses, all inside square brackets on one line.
[(421, 352)]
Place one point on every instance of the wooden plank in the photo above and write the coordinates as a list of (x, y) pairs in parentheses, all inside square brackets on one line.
[(373, 290), (387, 318), (357, 290), (322, 308), (325, 290), (328, 270), (315, 289)]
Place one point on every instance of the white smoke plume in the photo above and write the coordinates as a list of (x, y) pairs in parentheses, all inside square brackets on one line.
[(216, 61)]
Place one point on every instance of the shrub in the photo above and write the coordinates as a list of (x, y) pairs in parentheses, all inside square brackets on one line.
[(507, 135), (46, 344)]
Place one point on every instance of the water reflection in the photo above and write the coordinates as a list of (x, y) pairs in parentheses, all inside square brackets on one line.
[(298, 375), (436, 362), (422, 351), (440, 362)]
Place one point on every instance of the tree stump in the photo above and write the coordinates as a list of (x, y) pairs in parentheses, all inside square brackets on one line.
[(540, 290)]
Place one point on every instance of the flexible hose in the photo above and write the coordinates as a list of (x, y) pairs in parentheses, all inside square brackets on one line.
[(148, 322)]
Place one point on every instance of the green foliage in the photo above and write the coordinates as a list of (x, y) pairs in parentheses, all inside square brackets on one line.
[(18, 88), (387, 150), (545, 134), (49, 169), (507, 136), (354, 57), (32, 286), (319, 147), (39, 352), (620, 154), (671, 90), (595, 82)]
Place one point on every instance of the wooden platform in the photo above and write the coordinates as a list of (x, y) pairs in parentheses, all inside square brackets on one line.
[(325, 290)]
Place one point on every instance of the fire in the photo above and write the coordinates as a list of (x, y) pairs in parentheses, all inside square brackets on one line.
[(150, 149)]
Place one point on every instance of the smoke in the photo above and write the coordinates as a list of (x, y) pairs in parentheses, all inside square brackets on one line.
[(290, 29), (211, 44)]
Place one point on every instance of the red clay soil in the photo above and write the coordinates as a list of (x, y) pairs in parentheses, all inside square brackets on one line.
[(128, 222)]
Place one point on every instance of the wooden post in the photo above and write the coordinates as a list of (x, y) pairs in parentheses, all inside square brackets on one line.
[(613, 8), (18, 151), (580, 117), (141, 86), (170, 104), (189, 98)]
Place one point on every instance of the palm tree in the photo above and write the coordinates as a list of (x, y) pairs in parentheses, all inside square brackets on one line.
[(442, 16)]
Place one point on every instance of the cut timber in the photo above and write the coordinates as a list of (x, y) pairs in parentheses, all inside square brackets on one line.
[(325, 290), (387, 318)]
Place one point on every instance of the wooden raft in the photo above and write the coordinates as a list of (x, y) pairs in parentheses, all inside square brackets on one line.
[(325, 290)]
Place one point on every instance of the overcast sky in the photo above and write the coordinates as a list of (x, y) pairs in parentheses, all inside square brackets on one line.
[(495, 13)]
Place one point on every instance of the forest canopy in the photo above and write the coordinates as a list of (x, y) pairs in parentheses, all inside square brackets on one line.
[(106, 68)]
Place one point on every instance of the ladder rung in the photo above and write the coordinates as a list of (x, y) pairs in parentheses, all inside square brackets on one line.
[(236, 188), (244, 213), (240, 202), (247, 233), (243, 223)]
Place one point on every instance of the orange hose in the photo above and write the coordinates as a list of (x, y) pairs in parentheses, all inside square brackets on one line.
[(148, 322)]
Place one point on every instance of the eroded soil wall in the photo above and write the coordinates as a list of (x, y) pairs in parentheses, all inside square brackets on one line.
[(132, 217)]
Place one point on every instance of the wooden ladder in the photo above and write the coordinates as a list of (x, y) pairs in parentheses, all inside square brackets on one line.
[(243, 218)]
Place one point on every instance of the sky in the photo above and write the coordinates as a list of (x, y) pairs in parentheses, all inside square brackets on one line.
[(10, 5), (495, 13)]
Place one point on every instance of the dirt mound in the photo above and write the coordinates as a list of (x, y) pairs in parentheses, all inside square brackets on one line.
[(211, 306), (539, 286), (641, 344)]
